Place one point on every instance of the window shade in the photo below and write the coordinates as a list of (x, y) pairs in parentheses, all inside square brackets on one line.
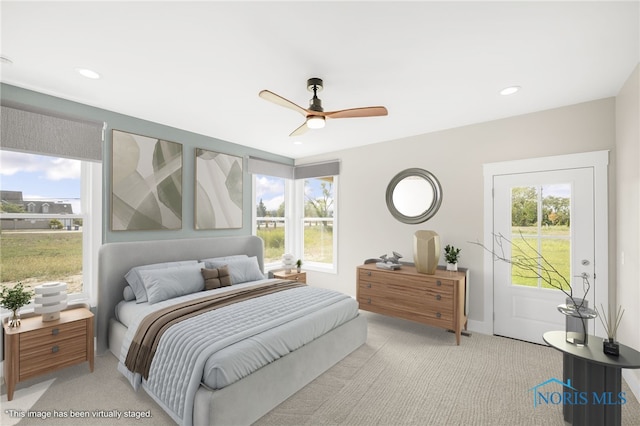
[(270, 168), (329, 168), (38, 133)]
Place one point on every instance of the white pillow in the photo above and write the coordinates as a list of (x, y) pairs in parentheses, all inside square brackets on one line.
[(134, 280), (241, 270), (167, 283)]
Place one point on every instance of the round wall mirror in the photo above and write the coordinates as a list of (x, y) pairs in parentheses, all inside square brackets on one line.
[(414, 195)]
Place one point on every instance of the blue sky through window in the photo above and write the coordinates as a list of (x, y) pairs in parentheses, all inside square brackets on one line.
[(41, 177)]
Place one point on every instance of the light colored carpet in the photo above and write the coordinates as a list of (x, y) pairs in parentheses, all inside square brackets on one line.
[(406, 374)]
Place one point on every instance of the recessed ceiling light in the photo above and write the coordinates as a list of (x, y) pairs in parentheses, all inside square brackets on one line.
[(5, 60), (85, 72), (510, 90), (297, 142)]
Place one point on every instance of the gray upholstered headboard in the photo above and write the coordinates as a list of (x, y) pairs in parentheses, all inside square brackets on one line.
[(115, 260)]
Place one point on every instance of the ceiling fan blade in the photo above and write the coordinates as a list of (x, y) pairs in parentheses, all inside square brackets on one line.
[(277, 99), (374, 111), (300, 130)]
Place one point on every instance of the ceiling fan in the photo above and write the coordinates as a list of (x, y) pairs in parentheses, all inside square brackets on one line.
[(315, 115)]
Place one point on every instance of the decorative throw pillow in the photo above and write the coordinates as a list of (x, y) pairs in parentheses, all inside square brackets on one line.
[(216, 278)]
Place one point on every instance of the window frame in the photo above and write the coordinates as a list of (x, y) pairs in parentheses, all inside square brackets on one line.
[(294, 223), (331, 268), (91, 215), (289, 206)]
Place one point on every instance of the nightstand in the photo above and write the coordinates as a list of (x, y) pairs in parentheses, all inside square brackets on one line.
[(297, 276), (38, 347)]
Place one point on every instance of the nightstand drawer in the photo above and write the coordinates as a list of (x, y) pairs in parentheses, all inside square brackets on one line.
[(46, 358), (51, 335), (295, 276), (302, 277)]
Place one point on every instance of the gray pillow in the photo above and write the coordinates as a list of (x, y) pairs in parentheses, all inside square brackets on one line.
[(232, 257), (134, 280), (167, 283), (242, 270), (128, 294)]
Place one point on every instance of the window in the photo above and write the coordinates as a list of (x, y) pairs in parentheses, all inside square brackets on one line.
[(318, 227), (295, 212), (541, 223), (271, 222), (48, 230)]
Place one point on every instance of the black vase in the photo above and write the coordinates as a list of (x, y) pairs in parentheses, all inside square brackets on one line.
[(610, 347)]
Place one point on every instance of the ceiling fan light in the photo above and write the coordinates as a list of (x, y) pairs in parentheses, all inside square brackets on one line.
[(315, 122)]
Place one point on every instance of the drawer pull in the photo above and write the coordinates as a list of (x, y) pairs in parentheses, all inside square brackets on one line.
[(438, 297), (438, 283), (55, 331), (368, 273), (368, 285), (438, 314), (55, 349), (369, 300)]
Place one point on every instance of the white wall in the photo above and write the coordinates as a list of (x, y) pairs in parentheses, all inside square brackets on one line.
[(628, 217), (455, 157)]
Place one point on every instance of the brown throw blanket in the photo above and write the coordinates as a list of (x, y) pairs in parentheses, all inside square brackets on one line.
[(147, 336)]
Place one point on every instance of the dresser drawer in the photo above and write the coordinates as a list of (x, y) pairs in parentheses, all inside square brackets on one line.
[(439, 315), (412, 282), (50, 335), (425, 292)]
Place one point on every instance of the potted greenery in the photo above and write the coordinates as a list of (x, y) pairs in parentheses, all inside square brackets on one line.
[(452, 254), (299, 265), (13, 299)]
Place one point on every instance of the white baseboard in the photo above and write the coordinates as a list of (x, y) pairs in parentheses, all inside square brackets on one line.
[(480, 327), (633, 381)]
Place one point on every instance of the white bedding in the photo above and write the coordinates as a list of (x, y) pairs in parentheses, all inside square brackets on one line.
[(313, 313), (242, 358)]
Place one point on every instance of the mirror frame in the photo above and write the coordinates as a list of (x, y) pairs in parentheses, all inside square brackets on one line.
[(430, 211)]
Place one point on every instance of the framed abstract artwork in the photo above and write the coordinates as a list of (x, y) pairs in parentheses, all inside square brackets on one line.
[(218, 192), (146, 183)]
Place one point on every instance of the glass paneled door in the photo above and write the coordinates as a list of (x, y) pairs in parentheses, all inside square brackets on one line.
[(544, 227)]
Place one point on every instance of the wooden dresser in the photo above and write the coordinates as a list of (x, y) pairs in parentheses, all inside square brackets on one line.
[(38, 347), (437, 300)]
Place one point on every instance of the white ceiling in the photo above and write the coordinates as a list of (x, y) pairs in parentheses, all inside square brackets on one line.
[(199, 66)]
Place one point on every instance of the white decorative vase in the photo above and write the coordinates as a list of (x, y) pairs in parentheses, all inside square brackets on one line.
[(287, 262), (51, 298), (452, 267)]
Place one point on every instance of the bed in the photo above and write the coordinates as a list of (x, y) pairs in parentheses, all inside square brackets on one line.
[(246, 393)]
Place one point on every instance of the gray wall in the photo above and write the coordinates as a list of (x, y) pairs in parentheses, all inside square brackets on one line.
[(455, 156), (189, 140)]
